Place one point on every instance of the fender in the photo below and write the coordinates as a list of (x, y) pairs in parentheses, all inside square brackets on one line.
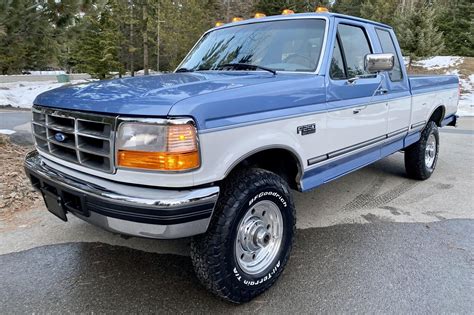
[(266, 148)]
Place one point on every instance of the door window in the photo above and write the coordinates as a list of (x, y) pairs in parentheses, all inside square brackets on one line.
[(388, 47), (353, 47), (337, 70)]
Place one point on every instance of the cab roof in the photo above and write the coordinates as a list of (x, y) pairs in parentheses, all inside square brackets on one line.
[(327, 15)]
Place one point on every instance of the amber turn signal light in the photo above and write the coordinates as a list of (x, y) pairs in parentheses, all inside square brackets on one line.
[(162, 161)]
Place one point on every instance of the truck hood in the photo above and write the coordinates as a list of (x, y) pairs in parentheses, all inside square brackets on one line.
[(148, 95)]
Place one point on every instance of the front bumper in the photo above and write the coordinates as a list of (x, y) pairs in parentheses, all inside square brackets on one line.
[(121, 208)]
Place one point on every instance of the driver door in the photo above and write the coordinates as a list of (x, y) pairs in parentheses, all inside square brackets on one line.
[(357, 105)]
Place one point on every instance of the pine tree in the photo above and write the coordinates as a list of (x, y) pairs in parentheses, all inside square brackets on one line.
[(348, 7), (417, 33), (227, 9), (96, 49), (456, 21), (274, 7), (379, 10), (27, 38)]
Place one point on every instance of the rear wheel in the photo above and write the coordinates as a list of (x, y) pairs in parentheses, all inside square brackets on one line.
[(249, 240), (422, 156)]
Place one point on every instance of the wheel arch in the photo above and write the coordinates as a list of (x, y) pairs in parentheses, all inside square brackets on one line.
[(280, 159), (437, 115)]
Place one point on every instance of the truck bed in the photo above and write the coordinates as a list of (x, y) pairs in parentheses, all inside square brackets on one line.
[(428, 83)]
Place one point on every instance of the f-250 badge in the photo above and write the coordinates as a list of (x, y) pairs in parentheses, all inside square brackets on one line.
[(306, 129)]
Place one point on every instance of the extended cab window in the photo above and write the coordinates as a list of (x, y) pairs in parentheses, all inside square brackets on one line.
[(287, 45), (353, 48), (388, 47)]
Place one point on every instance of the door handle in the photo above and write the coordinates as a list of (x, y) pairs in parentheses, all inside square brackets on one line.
[(382, 91), (358, 110)]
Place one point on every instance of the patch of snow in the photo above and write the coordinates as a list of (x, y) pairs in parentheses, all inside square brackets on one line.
[(50, 72), (466, 106), (142, 72), (452, 72), (7, 131), (451, 65), (22, 94), (466, 84), (406, 60), (466, 101), (439, 62)]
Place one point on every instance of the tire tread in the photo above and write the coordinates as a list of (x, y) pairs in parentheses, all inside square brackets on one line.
[(415, 154), (208, 249)]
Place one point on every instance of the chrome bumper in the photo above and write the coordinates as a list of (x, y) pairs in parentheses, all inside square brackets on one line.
[(121, 208)]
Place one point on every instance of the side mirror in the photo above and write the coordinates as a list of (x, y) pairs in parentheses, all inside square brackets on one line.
[(375, 63)]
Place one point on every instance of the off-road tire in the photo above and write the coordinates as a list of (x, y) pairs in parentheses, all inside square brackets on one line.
[(213, 253), (415, 164)]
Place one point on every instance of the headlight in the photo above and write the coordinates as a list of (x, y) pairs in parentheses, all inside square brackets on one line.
[(162, 147)]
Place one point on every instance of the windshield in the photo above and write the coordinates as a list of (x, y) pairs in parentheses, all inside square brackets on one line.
[(285, 45)]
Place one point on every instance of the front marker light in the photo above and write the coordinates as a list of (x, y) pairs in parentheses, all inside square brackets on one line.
[(166, 147)]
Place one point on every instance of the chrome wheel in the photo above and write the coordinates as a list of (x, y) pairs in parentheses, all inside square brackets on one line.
[(430, 151), (259, 237)]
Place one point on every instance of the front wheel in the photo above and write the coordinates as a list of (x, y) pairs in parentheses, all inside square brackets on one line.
[(249, 240), (422, 156)]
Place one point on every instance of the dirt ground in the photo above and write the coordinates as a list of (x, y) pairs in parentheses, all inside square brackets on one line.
[(16, 192)]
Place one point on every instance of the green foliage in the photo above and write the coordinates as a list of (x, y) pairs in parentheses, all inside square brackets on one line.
[(379, 10), (108, 36), (274, 7), (27, 40), (417, 33), (456, 21), (183, 26), (96, 50), (348, 7), (417, 23)]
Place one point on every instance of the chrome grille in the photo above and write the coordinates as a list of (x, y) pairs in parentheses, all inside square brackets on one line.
[(77, 137)]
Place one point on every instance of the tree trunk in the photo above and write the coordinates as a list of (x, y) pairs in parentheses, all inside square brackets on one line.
[(145, 38), (131, 48)]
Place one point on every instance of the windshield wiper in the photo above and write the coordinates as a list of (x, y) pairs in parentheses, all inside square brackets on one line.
[(184, 70), (247, 66)]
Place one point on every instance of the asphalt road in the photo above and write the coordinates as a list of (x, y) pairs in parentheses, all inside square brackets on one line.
[(370, 242)]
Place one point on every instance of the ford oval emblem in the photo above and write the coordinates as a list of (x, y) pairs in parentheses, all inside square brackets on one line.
[(60, 137)]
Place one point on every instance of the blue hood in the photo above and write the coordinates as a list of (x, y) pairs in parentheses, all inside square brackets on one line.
[(213, 99), (146, 95)]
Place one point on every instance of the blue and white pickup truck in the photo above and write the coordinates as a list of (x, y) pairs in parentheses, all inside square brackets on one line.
[(213, 150)]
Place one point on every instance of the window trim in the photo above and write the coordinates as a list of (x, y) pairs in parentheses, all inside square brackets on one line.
[(396, 53), (343, 54)]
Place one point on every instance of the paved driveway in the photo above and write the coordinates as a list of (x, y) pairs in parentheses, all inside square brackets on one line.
[(373, 241)]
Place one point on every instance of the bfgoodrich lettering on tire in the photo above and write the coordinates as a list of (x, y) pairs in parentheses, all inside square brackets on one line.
[(249, 240)]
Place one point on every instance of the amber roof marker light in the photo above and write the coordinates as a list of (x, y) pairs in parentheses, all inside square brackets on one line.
[(237, 19), (219, 23), (321, 10), (287, 12), (259, 15)]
